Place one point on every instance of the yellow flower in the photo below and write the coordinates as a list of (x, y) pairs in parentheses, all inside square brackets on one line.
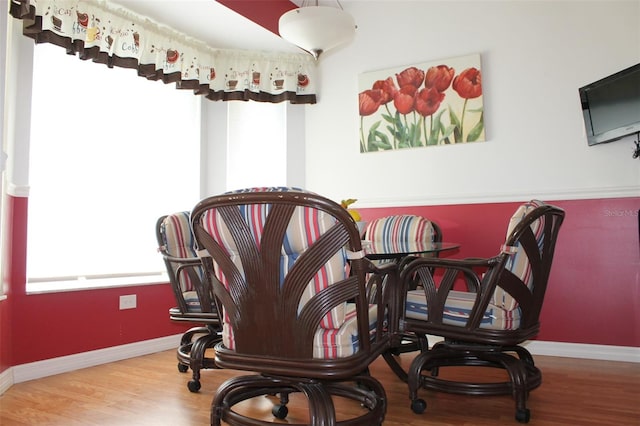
[(354, 213)]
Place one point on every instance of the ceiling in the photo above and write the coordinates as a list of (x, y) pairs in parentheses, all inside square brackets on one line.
[(225, 24)]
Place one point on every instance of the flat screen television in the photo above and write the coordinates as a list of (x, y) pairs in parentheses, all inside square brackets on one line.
[(611, 106)]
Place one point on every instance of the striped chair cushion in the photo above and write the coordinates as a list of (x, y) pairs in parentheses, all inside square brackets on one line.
[(192, 301), (179, 242), (342, 342), (518, 263), (335, 342), (305, 227), (458, 308), (178, 239), (394, 233)]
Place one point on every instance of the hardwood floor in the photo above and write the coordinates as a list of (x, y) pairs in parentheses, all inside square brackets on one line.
[(150, 391)]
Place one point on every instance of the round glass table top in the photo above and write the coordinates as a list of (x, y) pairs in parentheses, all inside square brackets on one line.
[(397, 249)]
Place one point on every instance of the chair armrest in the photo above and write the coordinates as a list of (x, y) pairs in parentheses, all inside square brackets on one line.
[(383, 269), (426, 268), (184, 260)]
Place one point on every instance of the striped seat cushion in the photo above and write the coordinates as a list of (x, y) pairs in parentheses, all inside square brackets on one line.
[(457, 309), (192, 301), (342, 342)]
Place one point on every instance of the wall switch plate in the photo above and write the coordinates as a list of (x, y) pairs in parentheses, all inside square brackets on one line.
[(128, 301)]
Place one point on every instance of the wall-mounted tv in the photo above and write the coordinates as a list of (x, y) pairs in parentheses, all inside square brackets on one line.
[(611, 106)]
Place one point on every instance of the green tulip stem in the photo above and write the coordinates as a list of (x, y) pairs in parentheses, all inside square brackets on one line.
[(363, 146), (395, 138), (464, 109)]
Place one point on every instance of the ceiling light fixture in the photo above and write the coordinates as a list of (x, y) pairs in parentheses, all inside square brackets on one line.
[(317, 29)]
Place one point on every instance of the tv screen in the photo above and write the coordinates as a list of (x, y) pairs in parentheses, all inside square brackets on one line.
[(611, 106)]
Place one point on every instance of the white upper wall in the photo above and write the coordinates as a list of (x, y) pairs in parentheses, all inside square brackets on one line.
[(535, 55)]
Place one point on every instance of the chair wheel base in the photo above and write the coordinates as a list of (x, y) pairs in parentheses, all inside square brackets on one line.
[(280, 411), (194, 385), (182, 367), (318, 394), (523, 415), (418, 406)]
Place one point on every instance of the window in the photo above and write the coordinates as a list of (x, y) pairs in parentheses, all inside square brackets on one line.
[(256, 142), (105, 163)]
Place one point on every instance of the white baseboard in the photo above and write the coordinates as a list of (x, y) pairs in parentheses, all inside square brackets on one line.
[(580, 350), (49, 367), (6, 380)]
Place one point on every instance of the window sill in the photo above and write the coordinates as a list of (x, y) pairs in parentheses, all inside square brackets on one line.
[(82, 284)]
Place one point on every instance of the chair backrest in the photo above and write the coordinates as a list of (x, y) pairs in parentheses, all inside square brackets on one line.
[(177, 246), (528, 254), (278, 260), (397, 233), (396, 229)]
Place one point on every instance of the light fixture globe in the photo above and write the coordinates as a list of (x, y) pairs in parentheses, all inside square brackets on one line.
[(317, 29)]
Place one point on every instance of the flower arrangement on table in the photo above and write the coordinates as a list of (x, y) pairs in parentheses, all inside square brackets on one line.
[(414, 110)]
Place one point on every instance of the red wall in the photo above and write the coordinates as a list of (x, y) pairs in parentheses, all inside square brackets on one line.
[(593, 295)]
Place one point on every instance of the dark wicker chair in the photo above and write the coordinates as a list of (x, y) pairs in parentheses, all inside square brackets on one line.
[(484, 309), (288, 269), (195, 303)]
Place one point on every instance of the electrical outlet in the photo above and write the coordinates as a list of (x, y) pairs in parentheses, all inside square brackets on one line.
[(128, 301)]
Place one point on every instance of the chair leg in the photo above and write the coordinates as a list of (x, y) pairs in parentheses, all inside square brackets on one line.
[(198, 360), (183, 352), (409, 343)]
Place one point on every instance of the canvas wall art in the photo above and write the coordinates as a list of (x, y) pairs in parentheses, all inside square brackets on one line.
[(428, 104)]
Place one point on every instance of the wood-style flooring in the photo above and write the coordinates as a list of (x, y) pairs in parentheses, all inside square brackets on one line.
[(149, 390)]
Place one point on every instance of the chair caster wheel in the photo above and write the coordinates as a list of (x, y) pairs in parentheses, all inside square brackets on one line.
[(418, 406), (280, 411), (523, 416), (194, 385), (183, 368)]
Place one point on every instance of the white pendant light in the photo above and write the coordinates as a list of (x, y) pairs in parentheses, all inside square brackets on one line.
[(317, 29)]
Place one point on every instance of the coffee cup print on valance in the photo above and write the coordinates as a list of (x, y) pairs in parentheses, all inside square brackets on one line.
[(433, 103)]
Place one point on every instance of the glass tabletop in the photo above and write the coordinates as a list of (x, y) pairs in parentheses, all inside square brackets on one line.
[(399, 249)]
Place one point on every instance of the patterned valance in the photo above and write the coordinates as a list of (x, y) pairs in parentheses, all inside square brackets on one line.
[(110, 34)]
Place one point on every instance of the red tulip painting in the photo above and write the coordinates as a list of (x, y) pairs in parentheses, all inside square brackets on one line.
[(438, 103)]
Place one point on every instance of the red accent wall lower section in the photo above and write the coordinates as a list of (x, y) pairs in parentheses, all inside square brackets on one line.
[(594, 289), (593, 295), (57, 324), (5, 336), (44, 326)]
